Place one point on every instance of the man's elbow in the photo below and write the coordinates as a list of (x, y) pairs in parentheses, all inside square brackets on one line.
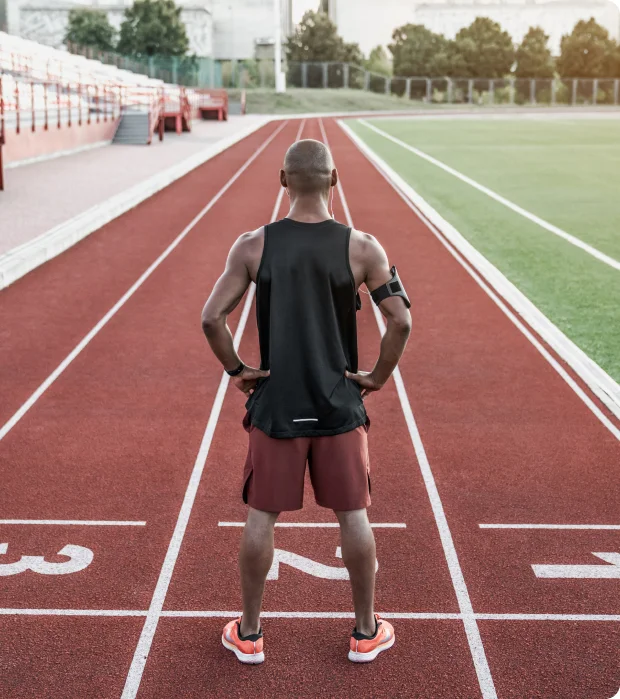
[(210, 322), (402, 324)]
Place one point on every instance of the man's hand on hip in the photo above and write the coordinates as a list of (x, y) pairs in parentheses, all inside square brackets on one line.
[(246, 381), (366, 380)]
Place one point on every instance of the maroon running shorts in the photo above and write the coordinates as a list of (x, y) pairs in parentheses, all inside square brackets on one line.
[(275, 469)]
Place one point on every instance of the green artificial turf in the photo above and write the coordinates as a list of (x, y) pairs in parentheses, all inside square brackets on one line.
[(566, 172)]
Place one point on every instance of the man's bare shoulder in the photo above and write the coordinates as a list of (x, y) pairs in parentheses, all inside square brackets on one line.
[(249, 249), (364, 246)]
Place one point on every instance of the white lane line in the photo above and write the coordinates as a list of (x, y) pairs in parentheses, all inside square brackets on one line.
[(472, 631), (548, 617), (11, 422), (223, 614), (608, 527), (327, 525), (573, 240), (72, 612), (309, 615), (488, 278), (134, 677), (75, 522)]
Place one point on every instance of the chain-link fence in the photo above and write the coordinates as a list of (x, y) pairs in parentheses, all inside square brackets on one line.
[(479, 91), (194, 71)]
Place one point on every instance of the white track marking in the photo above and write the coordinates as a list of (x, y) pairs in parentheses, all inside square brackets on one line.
[(134, 677), (565, 351), (327, 525), (75, 522), (611, 571), (79, 557), (608, 527), (7, 611), (472, 632), (8, 426), (548, 617), (573, 240), (228, 614)]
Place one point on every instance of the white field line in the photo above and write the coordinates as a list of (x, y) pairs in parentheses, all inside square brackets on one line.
[(606, 527), (8, 426), (229, 614), (326, 525), (485, 274), (472, 632), (75, 522), (134, 676), (577, 242)]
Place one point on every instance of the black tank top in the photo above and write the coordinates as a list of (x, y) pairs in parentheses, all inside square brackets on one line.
[(306, 304)]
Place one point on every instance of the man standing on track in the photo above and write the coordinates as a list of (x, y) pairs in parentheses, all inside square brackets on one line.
[(305, 403)]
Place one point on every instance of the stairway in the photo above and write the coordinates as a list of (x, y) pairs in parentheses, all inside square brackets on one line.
[(133, 128)]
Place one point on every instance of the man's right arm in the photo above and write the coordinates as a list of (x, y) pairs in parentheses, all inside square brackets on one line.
[(397, 316)]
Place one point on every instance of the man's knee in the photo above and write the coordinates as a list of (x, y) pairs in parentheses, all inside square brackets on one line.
[(351, 519)]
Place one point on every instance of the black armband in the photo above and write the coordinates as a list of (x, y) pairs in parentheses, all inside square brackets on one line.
[(392, 288)]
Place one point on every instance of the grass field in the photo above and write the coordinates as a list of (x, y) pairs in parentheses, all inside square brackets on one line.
[(306, 101), (564, 171)]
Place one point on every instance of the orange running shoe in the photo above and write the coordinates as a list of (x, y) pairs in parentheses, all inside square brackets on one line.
[(248, 649), (363, 649)]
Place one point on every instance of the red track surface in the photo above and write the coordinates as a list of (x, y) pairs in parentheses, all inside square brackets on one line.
[(115, 437)]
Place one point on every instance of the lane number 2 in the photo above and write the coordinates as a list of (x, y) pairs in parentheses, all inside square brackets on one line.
[(79, 558), (307, 565)]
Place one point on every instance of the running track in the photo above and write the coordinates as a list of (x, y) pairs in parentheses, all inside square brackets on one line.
[(138, 428)]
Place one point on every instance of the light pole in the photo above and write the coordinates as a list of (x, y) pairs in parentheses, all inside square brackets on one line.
[(280, 77)]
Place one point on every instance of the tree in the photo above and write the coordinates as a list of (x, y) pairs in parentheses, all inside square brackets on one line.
[(153, 27), (90, 27), (482, 50), (420, 52), (533, 56), (316, 39), (379, 62), (587, 52)]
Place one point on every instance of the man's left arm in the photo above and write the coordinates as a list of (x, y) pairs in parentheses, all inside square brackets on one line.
[(225, 297)]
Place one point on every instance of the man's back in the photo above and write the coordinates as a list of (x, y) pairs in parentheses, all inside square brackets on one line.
[(306, 307)]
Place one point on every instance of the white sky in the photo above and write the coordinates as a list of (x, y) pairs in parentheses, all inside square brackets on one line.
[(301, 6)]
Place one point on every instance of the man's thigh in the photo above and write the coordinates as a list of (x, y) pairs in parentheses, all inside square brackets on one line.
[(340, 470), (274, 472)]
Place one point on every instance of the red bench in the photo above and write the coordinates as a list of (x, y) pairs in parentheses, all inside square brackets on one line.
[(212, 104)]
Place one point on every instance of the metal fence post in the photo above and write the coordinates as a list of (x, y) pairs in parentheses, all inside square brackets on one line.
[(34, 115), (512, 91), (408, 88), (616, 86), (345, 76), (304, 75), (595, 91), (532, 90), (388, 85), (470, 91), (491, 91), (575, 81), (366, 81), (324, 75), (554, 89), (450, 90), (429, 90)]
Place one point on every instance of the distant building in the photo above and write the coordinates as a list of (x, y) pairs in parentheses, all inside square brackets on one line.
[(223, 29), (370, 23)]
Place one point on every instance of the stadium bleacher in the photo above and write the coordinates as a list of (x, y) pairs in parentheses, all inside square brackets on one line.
[(44, 90)]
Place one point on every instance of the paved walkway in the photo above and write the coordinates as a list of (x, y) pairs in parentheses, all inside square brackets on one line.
[(43, 195)]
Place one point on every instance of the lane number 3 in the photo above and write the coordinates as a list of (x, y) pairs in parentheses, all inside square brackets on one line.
[(79, 558)]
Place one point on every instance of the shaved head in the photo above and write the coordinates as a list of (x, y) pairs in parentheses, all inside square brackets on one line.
[(308, 167)]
